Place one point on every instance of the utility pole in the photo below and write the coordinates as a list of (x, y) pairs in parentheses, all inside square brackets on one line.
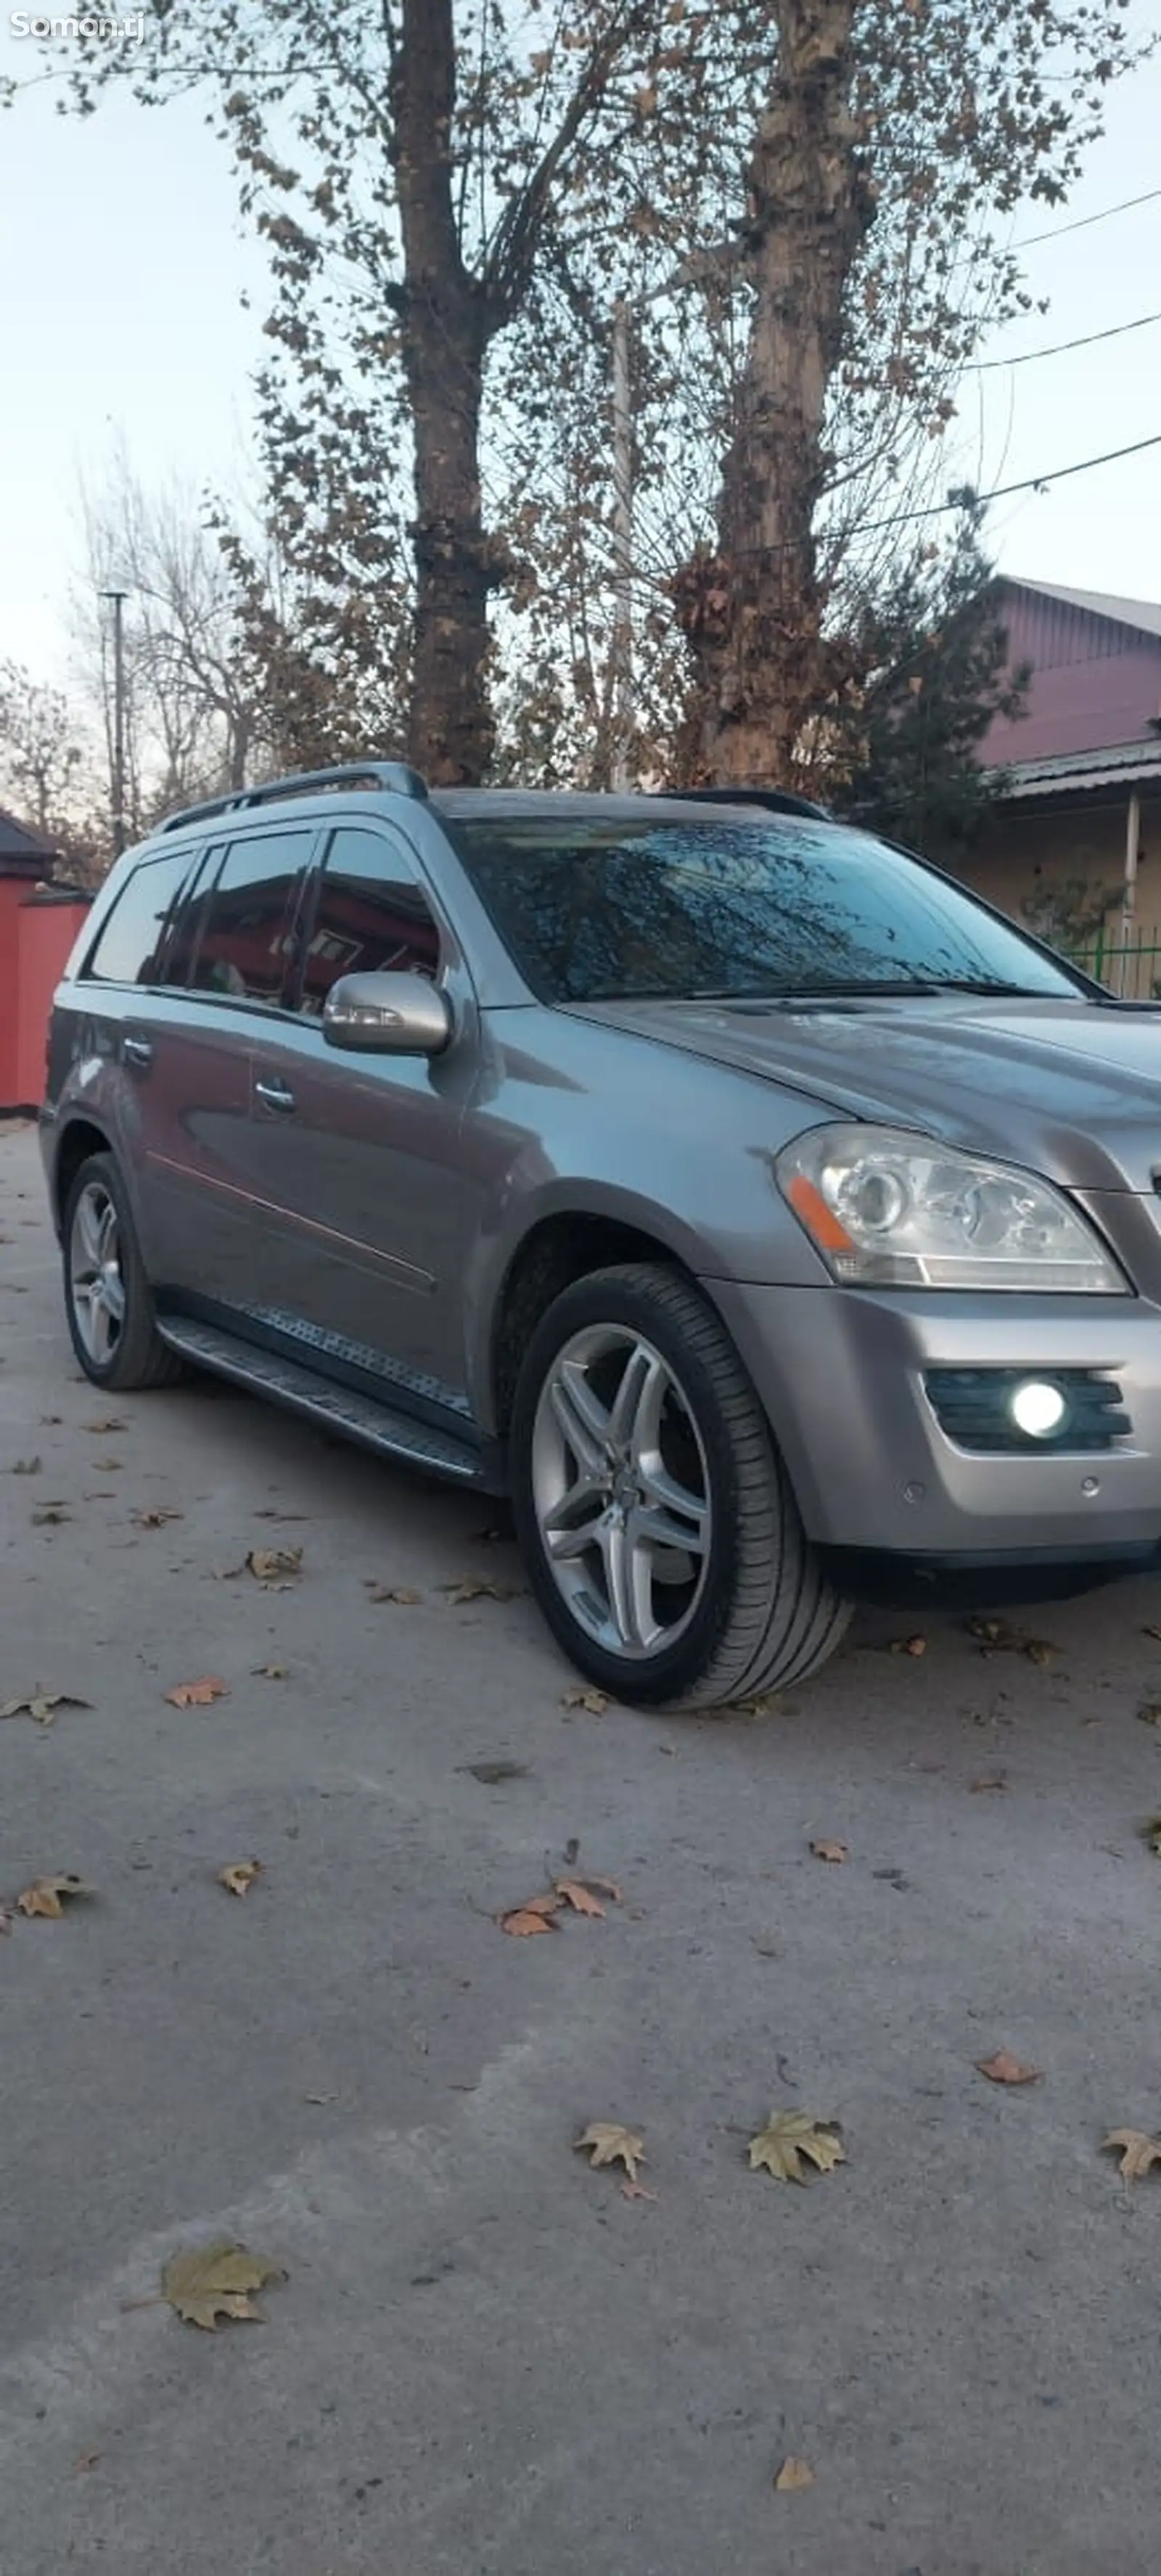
[(622, 638), (118, 598)]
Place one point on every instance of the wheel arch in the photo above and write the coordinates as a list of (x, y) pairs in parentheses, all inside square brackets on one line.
[(77, 1140), (563, 1244)]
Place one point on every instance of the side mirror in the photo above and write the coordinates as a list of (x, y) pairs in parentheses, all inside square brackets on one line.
[(387, 1015)]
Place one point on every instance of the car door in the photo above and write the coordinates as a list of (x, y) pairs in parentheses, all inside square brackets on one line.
[(228, 954), (368, 1208)]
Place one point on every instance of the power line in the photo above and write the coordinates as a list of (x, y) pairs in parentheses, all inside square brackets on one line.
[(1025, 357), (1003, 491), (1055, 231)]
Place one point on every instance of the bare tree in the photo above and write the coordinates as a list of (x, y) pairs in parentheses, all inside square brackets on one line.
[(48, 773)]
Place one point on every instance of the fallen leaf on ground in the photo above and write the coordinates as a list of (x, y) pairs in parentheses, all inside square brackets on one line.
[(829, 1851), (49, 1515), (1139, 2151), (1151, 1830), (990, 1780), (198, 1694), (470, 1587), (909, 1645), (1150, 1712), (635, 2191), (46, 1895), (612, 2145), (398, 1592), (239, 1875), (535, 1915), (1003, 2068), (492, 1774), (87, 2460), (598, 1886), (573, 1892), (789, 2136), (108, 1466), (274, 1564), (271, 1672), (995, 1637), (155, 1516), (595, 1701), (42, 1705), (793, 2473), (213, 2281), (271, 1512), (25, 1467), (1151, 1632), (108, 1422)]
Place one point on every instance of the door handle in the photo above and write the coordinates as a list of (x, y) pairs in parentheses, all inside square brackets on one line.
[(275, 1095), (137, 1051)]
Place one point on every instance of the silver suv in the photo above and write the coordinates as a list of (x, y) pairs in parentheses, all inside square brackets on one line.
[(771, 1220)]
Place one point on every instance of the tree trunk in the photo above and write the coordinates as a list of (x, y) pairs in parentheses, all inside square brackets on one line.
[(751, 613), (445, 331)]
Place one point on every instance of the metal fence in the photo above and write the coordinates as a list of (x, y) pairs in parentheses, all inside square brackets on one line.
[(1129, 967)]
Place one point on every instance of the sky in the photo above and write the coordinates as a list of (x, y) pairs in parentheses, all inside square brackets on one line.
[(124, 265)]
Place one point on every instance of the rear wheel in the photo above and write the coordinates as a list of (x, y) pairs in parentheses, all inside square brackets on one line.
[(655, 1516), (110, 1309)]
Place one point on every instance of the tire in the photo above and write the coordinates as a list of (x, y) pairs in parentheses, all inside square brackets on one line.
[(117, 1350), (703, 1587)]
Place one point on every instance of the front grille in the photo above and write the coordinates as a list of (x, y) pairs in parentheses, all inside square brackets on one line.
[(973, 1407)]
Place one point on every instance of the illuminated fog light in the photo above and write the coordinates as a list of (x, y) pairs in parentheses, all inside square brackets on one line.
[(1037, 1409)]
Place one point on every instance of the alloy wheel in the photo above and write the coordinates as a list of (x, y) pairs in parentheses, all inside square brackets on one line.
[(622, 1491), (96, 1285)]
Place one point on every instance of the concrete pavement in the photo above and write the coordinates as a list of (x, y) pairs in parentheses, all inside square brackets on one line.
[(484, 2360)]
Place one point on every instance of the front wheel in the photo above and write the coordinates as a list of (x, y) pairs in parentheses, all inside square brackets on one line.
[(655, 1517)]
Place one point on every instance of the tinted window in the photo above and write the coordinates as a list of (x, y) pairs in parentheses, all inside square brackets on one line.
[(245, 939), (189, 915), (127, 949), (371, 914), (596, 911)]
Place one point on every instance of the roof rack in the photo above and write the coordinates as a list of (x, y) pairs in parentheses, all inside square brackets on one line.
[(393, 777), (777, 800)]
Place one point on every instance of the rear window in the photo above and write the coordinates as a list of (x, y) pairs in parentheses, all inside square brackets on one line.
[(129, 944), (595, 911)]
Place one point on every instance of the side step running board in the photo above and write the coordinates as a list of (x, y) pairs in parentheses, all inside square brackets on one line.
[(357, 1417)]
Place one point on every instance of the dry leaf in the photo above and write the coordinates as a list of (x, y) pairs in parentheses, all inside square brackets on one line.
[(273, 1564), (401, 1593), (612, 2145), (990, 1780), (87, 2460), (491, 1775), (271, 1672), (574, 1893), (46, 1895), (1152, 1632), (198, 1694), (109, 1422), (789, 2136), (829, 1851), (909, 1645), (995, 1637), (524, 1921), (1151, 1830), (1150, 1712), (155, 1516), (213, 2281), (1140, 2151), (42, 1705), (595, 1701), (239, 1875), (49, 1515), (793, 2473), (598, 1886), (635, 2191), (25, 1467), (471, 1587), (1003, 2068)]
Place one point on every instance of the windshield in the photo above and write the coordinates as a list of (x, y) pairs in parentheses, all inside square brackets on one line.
[(595, 911)]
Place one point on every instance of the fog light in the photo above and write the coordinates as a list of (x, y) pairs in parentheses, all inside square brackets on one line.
[(1037, 1409)]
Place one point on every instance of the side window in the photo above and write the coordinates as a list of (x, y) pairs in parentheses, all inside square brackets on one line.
[(189, 913), (128, 947), (371, 914), (246, 932)]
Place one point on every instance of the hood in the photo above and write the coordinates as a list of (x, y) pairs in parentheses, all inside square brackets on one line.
[(1069, 1088)]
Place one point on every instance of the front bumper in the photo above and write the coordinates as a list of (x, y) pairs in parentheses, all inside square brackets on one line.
[(840, 1373)]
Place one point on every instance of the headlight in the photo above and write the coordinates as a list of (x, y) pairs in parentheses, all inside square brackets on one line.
[(890, 1209)]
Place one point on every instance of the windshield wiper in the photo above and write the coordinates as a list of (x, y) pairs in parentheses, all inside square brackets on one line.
[(869, 991)]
